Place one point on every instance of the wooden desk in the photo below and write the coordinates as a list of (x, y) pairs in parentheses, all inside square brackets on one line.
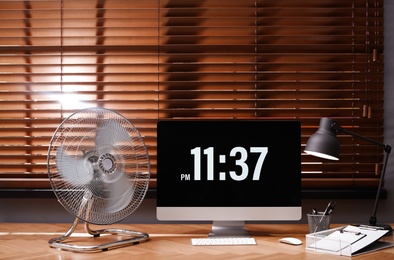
[(30, 241)]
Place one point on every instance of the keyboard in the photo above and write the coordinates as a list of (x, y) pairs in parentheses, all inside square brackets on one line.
[(223, 241)]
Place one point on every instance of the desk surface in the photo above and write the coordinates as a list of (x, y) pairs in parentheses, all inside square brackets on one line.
[(167, 241)]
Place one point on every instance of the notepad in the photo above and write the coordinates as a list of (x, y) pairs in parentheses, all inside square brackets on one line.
[(347, 241)]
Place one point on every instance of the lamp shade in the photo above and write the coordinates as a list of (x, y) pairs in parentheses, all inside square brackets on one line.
[(324, 143)]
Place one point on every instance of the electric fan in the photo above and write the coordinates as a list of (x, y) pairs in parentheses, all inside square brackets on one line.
[(99, 169)]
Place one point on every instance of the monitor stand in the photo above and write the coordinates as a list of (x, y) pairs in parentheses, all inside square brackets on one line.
[(228, 229)]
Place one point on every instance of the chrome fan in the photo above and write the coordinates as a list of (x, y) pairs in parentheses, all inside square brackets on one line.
[(99, 169)]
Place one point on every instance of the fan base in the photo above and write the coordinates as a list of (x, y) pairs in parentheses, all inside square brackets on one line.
[(134, 237)]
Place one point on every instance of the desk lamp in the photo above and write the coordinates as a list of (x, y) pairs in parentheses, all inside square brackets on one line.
[(325, 144)]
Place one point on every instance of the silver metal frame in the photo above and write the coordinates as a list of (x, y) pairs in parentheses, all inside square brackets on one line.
[(135, 237)]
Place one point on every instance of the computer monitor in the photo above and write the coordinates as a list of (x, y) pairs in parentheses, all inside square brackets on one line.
[(228, 172)]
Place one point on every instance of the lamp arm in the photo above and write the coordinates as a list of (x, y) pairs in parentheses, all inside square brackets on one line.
[(373, 220), (340, 129), (387, 148)]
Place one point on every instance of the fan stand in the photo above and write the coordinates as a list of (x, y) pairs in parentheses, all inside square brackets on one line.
[(135, 236)]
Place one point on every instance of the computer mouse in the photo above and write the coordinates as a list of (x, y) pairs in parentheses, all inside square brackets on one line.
[(291, 241)]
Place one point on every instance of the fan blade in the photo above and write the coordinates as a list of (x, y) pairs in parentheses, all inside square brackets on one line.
[(110, 133), (76, 171), (121, 193)]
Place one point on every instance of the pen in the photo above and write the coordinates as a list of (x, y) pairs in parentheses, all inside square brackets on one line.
[(330, 207), (351, 232), (367, 227)]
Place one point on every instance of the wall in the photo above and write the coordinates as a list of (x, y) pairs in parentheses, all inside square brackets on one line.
[(347, 211)]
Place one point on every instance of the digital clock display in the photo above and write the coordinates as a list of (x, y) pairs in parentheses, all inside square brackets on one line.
[(240, 155), (227, 162)]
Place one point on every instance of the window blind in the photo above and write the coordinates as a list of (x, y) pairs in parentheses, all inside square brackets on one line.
[(158, 59)]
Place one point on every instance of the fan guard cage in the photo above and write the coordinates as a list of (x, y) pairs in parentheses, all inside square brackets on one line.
[(96, 157)]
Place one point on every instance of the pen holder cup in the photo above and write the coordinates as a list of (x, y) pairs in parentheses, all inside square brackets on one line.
[(318, 222)]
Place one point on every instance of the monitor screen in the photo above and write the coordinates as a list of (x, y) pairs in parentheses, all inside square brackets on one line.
[(228, 170)]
